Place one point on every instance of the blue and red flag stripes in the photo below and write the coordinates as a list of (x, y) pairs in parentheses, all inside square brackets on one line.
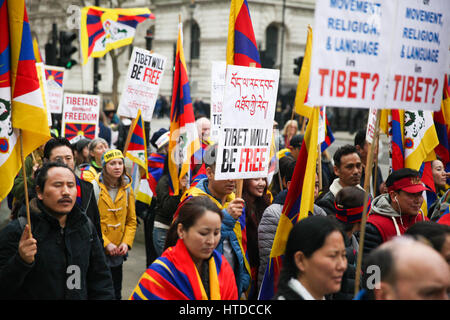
[(57, 76), (242, 49), (136, 148), (329, 137), (184, 141)]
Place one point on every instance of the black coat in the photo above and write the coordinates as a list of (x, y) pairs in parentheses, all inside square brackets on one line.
[(64, 256)]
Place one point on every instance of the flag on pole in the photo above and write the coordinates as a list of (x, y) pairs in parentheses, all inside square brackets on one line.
[(241, 46), (147, 186), (184, 141), (326, 136), (104, 29), (301, 96), (396, 137), (274, 161), (37, 52), (299, 203), (21, 97), (136, 149)]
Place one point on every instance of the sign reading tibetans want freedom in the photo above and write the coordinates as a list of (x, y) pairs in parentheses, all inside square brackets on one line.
[(247, 121), (80, 116)]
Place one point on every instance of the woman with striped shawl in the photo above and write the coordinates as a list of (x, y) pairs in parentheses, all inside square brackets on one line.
[(191, 268)]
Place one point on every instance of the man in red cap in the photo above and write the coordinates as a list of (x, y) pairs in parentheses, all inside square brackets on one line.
[(394, 212)]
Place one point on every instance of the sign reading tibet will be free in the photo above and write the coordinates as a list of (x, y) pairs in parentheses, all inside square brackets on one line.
[(363, 51), (141, 88), (247, 120)]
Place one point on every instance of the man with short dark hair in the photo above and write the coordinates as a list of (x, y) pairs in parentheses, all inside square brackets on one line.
[(63, 258), (394, 212), (61, 150), (407, 270), (347, 168)]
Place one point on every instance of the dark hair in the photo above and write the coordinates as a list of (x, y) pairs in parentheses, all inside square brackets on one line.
[(434, 232), (287, 171), (343, 151), (42, 173), (190, 211), (360, 138), (55, 143), (307, 236), (253, 214), (400, 174)]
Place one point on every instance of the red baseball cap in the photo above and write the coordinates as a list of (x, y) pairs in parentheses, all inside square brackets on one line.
[(409, 184)]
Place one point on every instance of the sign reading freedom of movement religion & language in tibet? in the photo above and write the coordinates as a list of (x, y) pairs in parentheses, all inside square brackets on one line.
[(80, 116), (247, 121), (145, 72), (379, 53)]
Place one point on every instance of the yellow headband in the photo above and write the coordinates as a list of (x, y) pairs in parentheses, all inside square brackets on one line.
[(110, 155)]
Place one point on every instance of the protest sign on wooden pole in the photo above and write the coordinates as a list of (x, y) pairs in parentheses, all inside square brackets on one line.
[(369, 165)]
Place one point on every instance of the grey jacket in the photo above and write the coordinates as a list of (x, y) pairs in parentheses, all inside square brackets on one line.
[(268, 227)]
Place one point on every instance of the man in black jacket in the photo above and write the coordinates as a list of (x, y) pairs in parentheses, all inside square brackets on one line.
[(60, 149), (347, 168), (61, 257)]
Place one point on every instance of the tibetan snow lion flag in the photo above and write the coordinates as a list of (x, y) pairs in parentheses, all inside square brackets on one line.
[(241, 46), (299, 203), (136, 149), (184, 141), (105, 29), (22, 108)]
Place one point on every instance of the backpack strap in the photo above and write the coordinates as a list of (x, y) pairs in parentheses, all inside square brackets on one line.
[(96, 189)]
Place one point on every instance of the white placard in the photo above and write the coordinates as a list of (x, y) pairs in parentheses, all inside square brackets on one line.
[(80, 116), (371, 125), (247, 121), (44, 90), (55, 87), (379, 53), (145, 72), (419, 52), (218, 71)]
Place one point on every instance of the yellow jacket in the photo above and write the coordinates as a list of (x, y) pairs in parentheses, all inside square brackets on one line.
[(117, 218)]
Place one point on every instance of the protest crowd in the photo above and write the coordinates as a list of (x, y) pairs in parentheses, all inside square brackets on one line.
[(314, 226)]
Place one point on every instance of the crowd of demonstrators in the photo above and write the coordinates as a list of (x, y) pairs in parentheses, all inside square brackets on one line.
[(218, 244), (116, 204)]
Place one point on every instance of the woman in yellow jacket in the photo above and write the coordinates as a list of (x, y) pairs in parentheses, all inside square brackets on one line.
[(116, 205)]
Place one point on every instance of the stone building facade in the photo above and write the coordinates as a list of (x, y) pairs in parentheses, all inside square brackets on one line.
[(280, 38)]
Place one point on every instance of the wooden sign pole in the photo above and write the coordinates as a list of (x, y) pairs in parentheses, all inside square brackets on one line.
[(25, 184), (368, 173)]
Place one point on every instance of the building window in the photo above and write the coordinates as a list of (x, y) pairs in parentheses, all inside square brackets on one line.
[(271, 52), (195, 41)]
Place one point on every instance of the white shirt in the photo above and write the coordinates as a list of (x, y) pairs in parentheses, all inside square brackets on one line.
[(297, 286)]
